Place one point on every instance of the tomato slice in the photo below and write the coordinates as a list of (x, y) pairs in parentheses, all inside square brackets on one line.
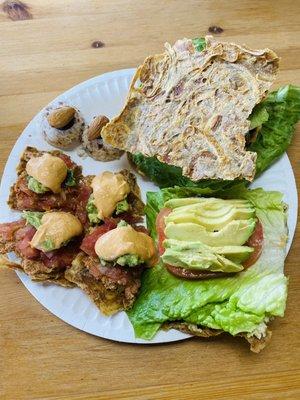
[(256, 241), (160, 228), (194, 274)]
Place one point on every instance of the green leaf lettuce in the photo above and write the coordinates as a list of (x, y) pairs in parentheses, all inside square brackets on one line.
[(283, 109)]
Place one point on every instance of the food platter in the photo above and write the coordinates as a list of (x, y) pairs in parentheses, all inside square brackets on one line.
[(106, 94)]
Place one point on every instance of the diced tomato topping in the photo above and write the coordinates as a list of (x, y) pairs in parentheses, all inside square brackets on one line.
[(23, 238), (67, 160), (21, 235), (7, 230), (84, 194), (62, 257), (89, 241), (81, 203), (22, 185)]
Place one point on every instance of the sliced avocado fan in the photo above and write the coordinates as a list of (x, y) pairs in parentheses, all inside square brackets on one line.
[(208, 234)]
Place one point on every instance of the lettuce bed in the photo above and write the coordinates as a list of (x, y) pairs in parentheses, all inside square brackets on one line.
[(243, 303)]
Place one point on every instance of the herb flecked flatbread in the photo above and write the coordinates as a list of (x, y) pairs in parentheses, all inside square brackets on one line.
[(190, 109)]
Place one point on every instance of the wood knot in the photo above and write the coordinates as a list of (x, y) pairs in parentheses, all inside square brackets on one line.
[(97, 44), (215, 29), (16, 10)]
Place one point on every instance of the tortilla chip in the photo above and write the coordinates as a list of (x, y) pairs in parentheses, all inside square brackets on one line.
[(36, 271), (108, 297)]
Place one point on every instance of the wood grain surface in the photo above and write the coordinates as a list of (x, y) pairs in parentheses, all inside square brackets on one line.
[(46, 48)]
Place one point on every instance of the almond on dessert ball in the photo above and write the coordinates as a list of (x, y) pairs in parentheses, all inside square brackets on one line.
[(93, 143), (62, 126)]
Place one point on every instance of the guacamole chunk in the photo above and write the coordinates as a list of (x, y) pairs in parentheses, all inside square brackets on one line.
[(36, 186), (122, 223), (33, 218), (92, 211), (48, 245), (130, 260), (122, 206)]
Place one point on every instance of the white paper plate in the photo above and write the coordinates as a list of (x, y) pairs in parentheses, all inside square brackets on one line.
[(105, 94)]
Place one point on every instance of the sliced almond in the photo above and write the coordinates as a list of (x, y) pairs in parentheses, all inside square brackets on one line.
[(95, 128), (61, 117)]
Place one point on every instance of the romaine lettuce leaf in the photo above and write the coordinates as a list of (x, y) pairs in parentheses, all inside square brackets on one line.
[(242, 303), (258, 116), (283, 108), (165, 175)]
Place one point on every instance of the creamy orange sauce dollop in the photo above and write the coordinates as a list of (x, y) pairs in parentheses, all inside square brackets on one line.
[(108, 189), (125, 240), (49, 170)]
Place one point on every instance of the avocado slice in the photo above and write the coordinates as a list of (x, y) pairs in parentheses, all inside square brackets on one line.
[(217, 208), (188, 201), (208, 233), (235, 233), (237, 254), (196, 255), (211, 213), (211, 221), (204, 211)]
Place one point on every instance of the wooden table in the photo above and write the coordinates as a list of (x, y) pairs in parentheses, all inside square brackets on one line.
[(65, 42)]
